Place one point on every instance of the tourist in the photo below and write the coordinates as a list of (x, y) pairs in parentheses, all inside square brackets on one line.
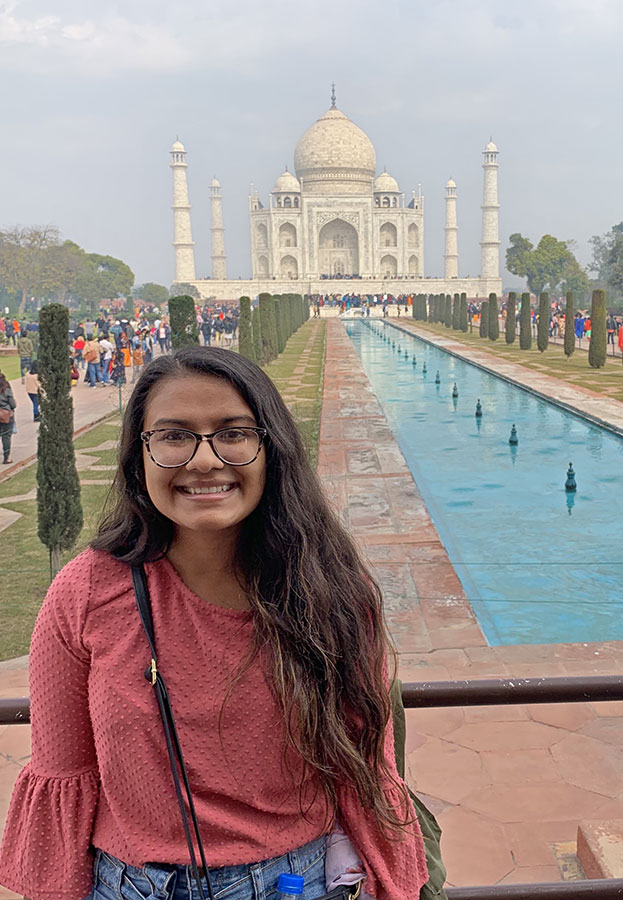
[(33, 387), (91, 354), (272, 640), (147, 343), (7, 418), (137, 358), (611, 327), (118, 368), (106, 352), (25, 351), (162, 337), (78, 348)]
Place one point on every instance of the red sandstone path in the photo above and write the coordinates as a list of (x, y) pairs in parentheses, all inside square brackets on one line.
[(509, 784)]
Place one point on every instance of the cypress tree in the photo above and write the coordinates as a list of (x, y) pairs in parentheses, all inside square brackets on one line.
[(245, 333), (525, 325), (542, 334), (569, 325), (463, 314), (456, 312), (183, 318), (493, 318), (448, 316), (431, 308), (256, 330), (510, 318), (281, 338), (484, 322), (268, 327), (598, 346), (58, 486)]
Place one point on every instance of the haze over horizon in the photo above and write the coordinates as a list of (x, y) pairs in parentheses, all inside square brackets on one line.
[(96, 96)]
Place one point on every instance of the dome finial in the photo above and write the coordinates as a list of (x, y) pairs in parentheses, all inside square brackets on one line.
[(333, 106)]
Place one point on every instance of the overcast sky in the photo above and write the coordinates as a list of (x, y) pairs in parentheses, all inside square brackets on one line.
[(95, 93)]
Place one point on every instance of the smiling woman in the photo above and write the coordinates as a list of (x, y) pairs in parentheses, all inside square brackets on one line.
[(269, 631)]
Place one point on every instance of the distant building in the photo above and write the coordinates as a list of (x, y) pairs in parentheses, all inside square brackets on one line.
[(336, 220)]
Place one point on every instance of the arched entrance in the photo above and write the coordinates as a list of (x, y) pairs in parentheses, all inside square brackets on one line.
[(338, 249)]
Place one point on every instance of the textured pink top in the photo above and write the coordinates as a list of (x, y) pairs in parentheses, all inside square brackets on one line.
[(99, 774)]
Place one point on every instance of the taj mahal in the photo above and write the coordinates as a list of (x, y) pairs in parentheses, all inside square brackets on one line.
[(334, 225)]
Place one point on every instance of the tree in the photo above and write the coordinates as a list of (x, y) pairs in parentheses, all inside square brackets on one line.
[(607, 262), (22, 259), (448, 311), (525, 323), (484, 320), (183, 320), (154, 294), (518, 255), (58, 487), (510, 329), (278, 305), (184, 287), (493, 318), (245, 333), (256, 328), (268, 328), (542, 333), (575, 279), (569, 325), (598, 343), (463, 324), (431, 308), (456, 312)]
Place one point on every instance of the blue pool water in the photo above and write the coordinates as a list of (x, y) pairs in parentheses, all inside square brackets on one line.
[(538, 565)]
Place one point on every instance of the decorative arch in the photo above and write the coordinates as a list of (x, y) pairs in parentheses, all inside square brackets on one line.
[(389, 266), (262, 267), (261, 236), (413, 235), (296, 201), (338, 248), (394, 201), (288, 268), (413, 265), (287, 235), (388, 235), (385, 201), (287, 201)]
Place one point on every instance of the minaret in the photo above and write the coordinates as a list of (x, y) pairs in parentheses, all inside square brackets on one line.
[(451, 255), (490, 243), (219, 260), (182, 234)]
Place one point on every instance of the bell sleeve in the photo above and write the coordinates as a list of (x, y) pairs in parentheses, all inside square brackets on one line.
[(45, 848), (395, 866)]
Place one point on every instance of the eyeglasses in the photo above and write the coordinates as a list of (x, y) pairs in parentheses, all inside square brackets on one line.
[(171, 448)]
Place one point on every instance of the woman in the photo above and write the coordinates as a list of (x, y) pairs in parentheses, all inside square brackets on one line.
[(269, 632), (7, 418), (32, 389)]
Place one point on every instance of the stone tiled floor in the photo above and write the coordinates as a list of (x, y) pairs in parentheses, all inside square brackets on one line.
[(507, 783)]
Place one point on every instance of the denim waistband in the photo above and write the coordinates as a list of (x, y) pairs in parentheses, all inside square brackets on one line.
[(163, 877)]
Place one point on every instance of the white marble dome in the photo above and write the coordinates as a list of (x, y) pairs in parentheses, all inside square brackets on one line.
[(287, 183), (385, 183), (178, 147), (335, 156), (491, 148)]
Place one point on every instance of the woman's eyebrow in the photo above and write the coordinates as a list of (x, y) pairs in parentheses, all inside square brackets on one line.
[(183, 423)]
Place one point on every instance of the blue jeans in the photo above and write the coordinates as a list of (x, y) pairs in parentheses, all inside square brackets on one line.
[(114, 880), (93, 371)]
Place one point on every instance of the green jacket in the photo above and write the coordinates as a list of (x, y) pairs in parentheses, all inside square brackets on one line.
[(24, 347), (431, 831)]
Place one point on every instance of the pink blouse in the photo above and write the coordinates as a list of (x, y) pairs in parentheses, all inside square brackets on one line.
[(99, 774)]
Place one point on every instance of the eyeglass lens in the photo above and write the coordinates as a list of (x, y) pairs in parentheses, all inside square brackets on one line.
[(174, 447)]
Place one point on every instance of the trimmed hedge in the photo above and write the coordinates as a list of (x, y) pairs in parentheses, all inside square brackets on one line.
[(525, 324), (510, 328), (598, 345)]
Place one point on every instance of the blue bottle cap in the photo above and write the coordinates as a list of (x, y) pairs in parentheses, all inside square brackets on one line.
[(291, 884)]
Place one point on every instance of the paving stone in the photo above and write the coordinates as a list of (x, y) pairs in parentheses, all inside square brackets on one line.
[(533, 875), (555, 801), (446, 771), (590, 764), (474, 850), (571, 716), (506, 736), (520, 766)]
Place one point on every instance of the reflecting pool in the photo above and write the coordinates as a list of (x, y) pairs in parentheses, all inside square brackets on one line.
[(538, 564)]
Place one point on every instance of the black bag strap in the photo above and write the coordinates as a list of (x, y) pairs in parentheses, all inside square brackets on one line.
[(174, 749)]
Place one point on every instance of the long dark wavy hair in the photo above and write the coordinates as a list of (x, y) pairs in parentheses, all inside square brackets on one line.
[(316, 609)]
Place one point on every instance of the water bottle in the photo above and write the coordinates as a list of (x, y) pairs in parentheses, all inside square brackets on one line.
[(290, 887)]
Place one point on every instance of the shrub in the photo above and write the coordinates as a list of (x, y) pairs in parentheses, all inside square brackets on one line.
[(569, 325), (245, 332), (463, 324), (509, 331), (456, 312), (269, 328), (493, 318), (484, 322), (525, 325), (542, 333), (183, 320), (598, 343), (256, 329)]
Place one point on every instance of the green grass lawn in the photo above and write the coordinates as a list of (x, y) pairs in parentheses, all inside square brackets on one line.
[(9, 366), (25, 569), (574, 370)]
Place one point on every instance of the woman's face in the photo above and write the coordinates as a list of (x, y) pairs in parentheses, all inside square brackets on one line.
[(202, 403)]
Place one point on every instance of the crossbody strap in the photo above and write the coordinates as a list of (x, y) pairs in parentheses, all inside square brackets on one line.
[(174, 749)]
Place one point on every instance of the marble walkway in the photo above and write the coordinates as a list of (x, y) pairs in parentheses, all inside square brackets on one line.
[(509, 784)]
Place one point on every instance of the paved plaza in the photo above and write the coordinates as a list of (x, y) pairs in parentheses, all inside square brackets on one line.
[(509, 784)]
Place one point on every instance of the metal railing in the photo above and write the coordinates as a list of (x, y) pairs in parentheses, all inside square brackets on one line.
[(483, 692)]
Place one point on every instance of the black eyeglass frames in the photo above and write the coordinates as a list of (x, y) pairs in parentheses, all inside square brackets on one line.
[(172, 448)]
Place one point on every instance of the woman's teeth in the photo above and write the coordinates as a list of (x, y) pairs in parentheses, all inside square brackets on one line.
[(208, 490)]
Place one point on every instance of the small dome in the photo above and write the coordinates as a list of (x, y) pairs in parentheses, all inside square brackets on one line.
[(385, 183), (491, 147), (335, 156), (178, 147), (451, 183), (287, 183), (215, 182)]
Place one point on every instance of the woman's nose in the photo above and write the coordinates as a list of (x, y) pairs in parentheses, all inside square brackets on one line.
[(205, 458)]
